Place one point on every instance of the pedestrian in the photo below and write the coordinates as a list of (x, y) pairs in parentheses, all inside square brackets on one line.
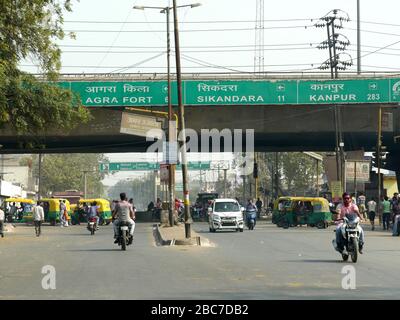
[(63, 217), (371, 206), (393, 203), (38, 218), (150, 206), (361, 205), (385, 213), (396, 217), (2, 218), (259, 206), (12, 212)]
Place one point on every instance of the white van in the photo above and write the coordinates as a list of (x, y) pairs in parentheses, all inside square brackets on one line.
[(225, 214)]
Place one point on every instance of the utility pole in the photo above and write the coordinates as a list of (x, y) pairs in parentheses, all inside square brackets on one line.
[(244, 188), (336, 42), (40, 177), (85, 184), (276, 180), (378, 152), (225, 170), (155, 186), (188, 218), (171, 134), (259, 39)]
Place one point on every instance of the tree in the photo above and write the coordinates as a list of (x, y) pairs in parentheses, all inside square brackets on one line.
[(28, 29), (296, 174), (60, 173)]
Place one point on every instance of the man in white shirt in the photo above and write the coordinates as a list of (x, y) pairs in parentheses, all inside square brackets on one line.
[(371, 205), (38, 218), (2, 217)]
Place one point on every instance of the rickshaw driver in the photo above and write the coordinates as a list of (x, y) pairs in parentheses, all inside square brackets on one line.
[(344, 209)]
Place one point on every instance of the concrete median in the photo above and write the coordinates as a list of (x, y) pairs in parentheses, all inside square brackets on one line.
[(175, 236)]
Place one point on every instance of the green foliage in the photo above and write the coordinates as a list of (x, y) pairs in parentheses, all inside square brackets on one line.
[(296, 173), (28, 29), (62, 172)]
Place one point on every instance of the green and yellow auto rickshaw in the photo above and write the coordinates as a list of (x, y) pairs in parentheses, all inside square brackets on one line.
[(310, 211), (103, 206), (23, 211), (51, 208)]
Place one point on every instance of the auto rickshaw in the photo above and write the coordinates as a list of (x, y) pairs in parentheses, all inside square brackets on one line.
[(310, 211), (103, 206), (51, 208), (25, 212)]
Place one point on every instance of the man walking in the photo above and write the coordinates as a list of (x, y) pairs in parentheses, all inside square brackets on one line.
[(371, 205), (386, 213), (38, 218), (259, 206)]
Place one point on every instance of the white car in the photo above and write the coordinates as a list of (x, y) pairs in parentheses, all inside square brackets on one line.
[(225, 214)]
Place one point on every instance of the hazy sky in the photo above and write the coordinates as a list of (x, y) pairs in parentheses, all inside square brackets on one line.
[(139, 43)]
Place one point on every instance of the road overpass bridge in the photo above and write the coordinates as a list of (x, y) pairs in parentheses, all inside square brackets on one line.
[(286, 113)]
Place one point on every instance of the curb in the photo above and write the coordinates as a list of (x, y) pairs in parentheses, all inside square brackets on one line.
[(194, 241), (157, 235)]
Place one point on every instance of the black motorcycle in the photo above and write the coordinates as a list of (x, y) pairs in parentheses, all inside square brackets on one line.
[(124, 238)]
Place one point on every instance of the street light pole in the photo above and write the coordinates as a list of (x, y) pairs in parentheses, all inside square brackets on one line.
[(171, 134), (182, 126)]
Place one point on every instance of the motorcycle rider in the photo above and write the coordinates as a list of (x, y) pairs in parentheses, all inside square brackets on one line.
[(94, 213), (251, 207), (123, 212), (345, 209)]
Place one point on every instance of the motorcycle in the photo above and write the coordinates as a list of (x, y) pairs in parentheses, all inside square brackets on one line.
[(124, 238), (251, 216), (92, 225), (350, 230)]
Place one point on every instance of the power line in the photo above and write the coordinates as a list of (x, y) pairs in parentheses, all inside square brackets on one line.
[(185, 22), (191, 47), (381, 23), (376, 32), (187, 51), (160, 67), (187, 30)]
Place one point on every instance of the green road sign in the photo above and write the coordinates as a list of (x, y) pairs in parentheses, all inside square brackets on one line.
[(238, 92), (147, 166)]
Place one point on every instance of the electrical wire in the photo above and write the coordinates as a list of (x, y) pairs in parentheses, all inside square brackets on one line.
[(192, 47), (184, 22), (375, 32), (115, 39), (186, 51), (188, 30)]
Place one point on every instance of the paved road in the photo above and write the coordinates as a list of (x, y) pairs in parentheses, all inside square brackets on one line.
[(267, 263)]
